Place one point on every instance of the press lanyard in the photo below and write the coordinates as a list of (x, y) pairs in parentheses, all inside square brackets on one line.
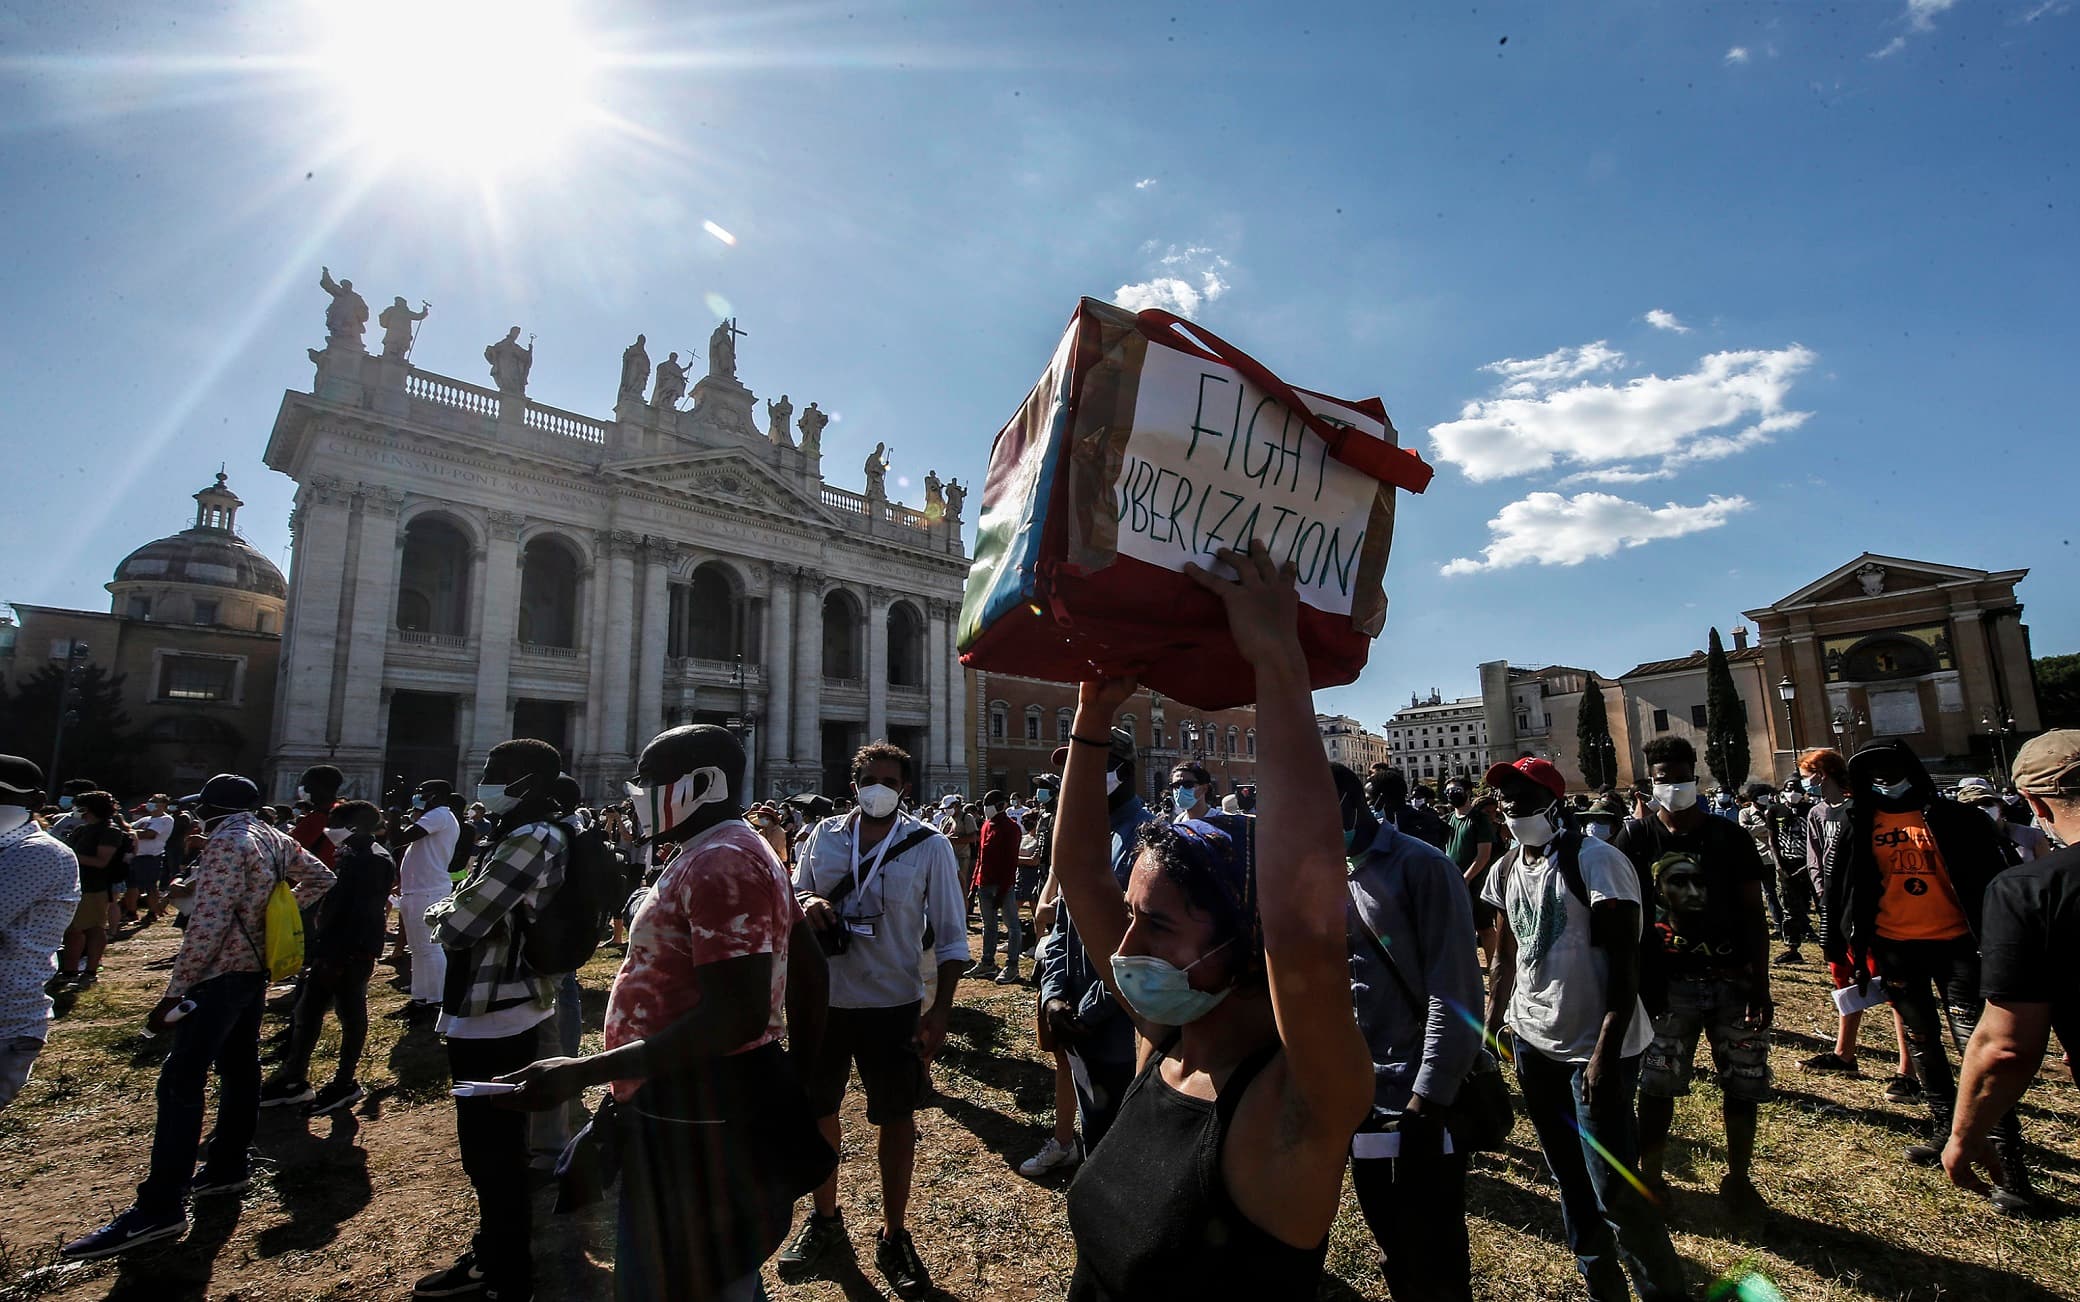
[(859, 888)]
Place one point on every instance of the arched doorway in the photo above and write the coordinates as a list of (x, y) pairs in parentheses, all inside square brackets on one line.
[(548, 594), (905, 646), (706, 616), (433, 579), (842, 621)]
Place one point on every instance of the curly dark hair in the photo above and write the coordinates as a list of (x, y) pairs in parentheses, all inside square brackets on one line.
[(882, 750), (1670, 750), (1195, 864)]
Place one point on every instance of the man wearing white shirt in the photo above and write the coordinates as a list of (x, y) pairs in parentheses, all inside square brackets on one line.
[(423, 876), (869, 883), (39, 889), (1566, 980), (148, 866)]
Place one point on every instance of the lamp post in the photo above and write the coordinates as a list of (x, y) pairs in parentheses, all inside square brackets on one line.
[(1787, 692), (2000, 732), (68, 711), (743, 721)]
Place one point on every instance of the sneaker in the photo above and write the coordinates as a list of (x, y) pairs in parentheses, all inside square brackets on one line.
[(1926, 1153), (339, 1094), (895, 1256), (85, 979), (1830, 1062), (818, 1235), (1790, 957), (462, 1279), (133, 1229), (1903, 1089), (1008, 977), (207, 1184), (57, 984), (282, 1093), (1054, 1156), (1741, 1199)]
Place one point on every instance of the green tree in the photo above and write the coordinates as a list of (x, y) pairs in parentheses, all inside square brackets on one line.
[(1725, 720), (98, 742), (1592, 735), (2058, 690)]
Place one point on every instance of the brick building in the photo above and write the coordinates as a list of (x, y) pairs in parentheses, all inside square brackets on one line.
[(1020, 722)]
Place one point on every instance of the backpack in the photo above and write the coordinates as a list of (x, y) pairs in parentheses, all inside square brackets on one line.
[(566, 927), (281, 954), (1653, 962)]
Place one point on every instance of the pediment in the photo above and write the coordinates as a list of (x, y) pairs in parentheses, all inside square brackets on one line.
[(724, 475), (1871, 575)]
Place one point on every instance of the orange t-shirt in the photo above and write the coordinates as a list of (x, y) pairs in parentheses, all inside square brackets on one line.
[(1915, 900)]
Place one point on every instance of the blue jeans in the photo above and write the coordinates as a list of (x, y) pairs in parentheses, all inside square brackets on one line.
[(570, 1013), (223, 1032), (999, 903), (1609, 1220)]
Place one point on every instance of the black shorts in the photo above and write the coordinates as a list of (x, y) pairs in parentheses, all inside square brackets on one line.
[(883, 1042), (1483, 912)]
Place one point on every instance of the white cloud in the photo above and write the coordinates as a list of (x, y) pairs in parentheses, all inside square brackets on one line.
[(1738, 54), (2047, 9), (1145, 183), (1195, 281), (1731, 401), (1665, 320), (1890, 48), (1617, 475), (1554, 530), (1921, 17)]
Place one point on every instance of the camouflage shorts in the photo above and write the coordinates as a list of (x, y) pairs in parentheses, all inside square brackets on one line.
[(1717, 1008)]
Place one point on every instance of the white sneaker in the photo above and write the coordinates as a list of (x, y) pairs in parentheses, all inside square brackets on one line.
[(1054, 1157)]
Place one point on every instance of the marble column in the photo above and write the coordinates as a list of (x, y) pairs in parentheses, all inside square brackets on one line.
[(619, 645), (498, 623), (305, 700), (957, 702), (367, 629), (658, 554), (940, 700), (778, 660), (878, 600), (592, 733), (808, 673)]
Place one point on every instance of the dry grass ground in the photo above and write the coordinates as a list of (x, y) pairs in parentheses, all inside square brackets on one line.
[(356, 1206)]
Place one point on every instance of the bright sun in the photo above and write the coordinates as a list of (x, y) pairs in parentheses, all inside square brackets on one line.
[(492, 88)]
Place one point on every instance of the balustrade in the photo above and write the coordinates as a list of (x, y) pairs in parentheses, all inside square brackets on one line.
[(425, 386)]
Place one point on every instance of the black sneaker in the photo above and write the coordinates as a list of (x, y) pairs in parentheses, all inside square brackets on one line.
[(279, 1093), (896, 1257), (1903, 1089), (339, 1094), (208, 1184), (1789, 957), (1830, 1062), (133, 1229), (462, 1279), (818, 1235), (1741, 1199)]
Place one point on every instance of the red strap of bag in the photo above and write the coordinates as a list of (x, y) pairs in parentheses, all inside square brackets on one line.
[(1353, 447)]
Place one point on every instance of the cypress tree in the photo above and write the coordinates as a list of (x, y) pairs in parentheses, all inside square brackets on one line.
[(1725, 720), (1592, 735)]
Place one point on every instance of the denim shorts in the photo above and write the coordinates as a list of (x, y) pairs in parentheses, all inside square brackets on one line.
[(1715, 1007)]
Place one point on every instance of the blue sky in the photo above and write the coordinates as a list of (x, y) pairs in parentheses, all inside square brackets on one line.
[(1705, 300)]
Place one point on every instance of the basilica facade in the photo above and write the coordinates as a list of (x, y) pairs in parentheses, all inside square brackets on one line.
[(471, 565)]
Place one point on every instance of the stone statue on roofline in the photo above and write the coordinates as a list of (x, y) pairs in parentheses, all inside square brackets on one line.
[(510, 361), (397, 321), (635, 371), (956, 497), (722, 350), (778, 414), (811, 424), (347, 316), (934, 496), (878, 462), (671, 384)]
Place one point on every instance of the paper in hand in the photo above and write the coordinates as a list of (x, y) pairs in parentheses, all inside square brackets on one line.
[(1847, 1000)]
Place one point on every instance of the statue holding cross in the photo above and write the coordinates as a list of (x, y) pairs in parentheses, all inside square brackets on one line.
[(722, 350)]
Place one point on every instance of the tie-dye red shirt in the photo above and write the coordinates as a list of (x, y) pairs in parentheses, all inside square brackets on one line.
[(723, 896)]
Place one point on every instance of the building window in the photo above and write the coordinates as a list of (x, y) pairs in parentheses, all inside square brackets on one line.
[(196, 678), (1697, 716), (999, 720), (1063, 721), (205, 612), (263, 622), (140, 607), (1252, 740), (1660, 721), (1032, 723)]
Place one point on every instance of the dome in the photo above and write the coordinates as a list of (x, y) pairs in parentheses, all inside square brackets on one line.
[(213, 557), (208, 553)]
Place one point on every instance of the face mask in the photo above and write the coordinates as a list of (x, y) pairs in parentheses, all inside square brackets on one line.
[(338, 835), (877, 801), (1043, 796), (1601, 828), (1457, 798), (989, 811), (493, 797), (418, 802), (1350, 840), (1538, 830), (1184, 797), (1111, 781), (2014, 801), (302, 795), (1161, 993), (1420, 802), (660, 809), (64, 802), (1675, 797), (1893, 790), (1991, 811), (1812, 787)]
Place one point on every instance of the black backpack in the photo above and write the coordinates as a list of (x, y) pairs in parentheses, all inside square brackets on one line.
[(566, 928), (1640, 843)]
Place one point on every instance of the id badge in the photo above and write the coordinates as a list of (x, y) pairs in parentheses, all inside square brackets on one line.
[(861, 928)]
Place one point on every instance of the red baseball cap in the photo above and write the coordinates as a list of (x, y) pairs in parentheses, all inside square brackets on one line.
[(1538, 770)]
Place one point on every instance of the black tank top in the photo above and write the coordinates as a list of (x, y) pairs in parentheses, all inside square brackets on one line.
[(1152, 1216)]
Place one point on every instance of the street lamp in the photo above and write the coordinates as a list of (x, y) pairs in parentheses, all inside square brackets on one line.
[(1787, 692), (2000, 732)]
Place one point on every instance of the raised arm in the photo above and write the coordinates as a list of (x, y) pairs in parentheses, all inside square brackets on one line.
[(1082, 829), (1300, 878)]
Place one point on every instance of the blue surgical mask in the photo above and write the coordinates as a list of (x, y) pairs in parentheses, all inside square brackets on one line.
[(1813, 787), (1162, 993), (1044, 796), (492, 796), (1184, 796), (418, 802), (64, 802), (1893, 790)]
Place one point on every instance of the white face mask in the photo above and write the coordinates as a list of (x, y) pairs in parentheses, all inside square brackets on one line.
[(338, 835), (660, 809), (877, 801), (1111, 781), (1536, 830), (1675, 797), (989, 811), (492, 796), (302, 795)]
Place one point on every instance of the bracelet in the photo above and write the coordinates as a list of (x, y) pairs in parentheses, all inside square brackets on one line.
[(1092, 741)]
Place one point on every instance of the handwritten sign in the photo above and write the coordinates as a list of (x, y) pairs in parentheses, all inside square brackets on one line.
[(1215, 462)]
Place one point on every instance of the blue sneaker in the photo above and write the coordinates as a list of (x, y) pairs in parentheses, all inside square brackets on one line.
[(133, 1229)]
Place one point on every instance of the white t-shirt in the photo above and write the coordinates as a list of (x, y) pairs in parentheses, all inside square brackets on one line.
[(160, 823), (425, 867), (1560, 997)]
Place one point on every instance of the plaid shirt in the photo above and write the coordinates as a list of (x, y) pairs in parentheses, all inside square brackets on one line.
[(478, 927), (233, 876)]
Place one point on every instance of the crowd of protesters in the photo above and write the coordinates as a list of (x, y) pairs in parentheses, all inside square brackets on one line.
[(1240, 1000)]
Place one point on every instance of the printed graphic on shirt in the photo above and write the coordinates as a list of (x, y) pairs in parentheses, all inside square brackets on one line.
[(1540, 922), (1687, 915), (1916, 900)]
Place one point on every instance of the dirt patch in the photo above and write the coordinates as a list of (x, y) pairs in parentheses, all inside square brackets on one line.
[(357, 1206)]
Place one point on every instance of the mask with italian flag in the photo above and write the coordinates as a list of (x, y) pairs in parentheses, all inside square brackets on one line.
[(660, 809)]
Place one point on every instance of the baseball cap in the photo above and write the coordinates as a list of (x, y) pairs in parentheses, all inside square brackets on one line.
[(1538, 770), (2049, 765), (20, 777), (226, 791), (1976, 791), (1122, 749)]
